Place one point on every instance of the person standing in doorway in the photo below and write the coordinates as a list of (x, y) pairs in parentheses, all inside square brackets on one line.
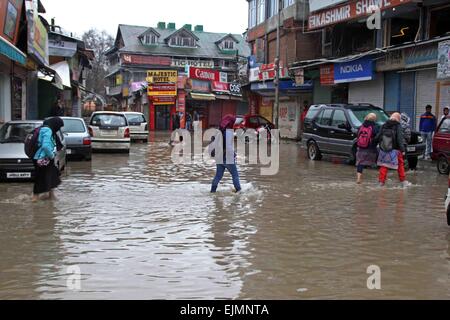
[(57, 109), (392, 150), (427, 127), (229, 156), (47, 174), (188, 121), (445, 115), (304, 113)]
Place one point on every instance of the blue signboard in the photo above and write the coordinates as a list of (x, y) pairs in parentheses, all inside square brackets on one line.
[(356, 70), (284, 86)]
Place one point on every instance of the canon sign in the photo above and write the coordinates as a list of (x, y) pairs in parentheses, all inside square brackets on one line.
[(204, 74)]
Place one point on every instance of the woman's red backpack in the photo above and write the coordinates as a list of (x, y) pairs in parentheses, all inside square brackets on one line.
[(365, 137)]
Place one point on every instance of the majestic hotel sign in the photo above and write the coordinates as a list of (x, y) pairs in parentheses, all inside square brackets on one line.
[(349, 11)]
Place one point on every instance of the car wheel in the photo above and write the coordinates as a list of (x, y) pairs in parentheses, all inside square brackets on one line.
[(442, 166), (412, 162), (313, 151)]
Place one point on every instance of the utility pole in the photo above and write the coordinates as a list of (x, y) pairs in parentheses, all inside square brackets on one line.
[(277, 68)]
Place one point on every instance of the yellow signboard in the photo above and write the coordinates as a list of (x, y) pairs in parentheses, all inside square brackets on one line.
[(161, 93), (162, 76)]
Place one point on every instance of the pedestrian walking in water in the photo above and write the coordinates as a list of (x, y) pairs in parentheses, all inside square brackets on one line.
[(229, 156), (367, 153), (392, 150), (405, 122), (47, 174), (428, 125)]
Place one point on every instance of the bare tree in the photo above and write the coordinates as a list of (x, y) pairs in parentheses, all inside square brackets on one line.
[(99, 41)]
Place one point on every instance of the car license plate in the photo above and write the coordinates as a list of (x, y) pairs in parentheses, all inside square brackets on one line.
[(69, 151), (18, 175), (109, 133), (411, 149)]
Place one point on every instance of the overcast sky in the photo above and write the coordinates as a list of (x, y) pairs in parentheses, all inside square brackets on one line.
[(80, 15)]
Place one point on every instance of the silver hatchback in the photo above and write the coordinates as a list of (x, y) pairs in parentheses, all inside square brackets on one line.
[(14, 163), (77, 138)]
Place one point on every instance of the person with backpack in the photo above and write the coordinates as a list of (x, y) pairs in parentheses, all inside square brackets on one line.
[(367, 153), (46, 173), (229, 156), (392, 149)]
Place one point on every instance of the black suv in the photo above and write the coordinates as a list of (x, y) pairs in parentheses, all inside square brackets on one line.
[(333, 129)]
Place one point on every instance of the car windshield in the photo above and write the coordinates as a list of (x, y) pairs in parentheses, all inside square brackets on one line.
[(445, 126), (16, 132), (135, 119), (73, 126), (109, 120), (239, 121), (357, 116)]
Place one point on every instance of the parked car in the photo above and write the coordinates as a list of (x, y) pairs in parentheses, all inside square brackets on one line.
[(14, 163), (447, 203), (255, 122), (333, 129), (441, 146), (138, 126), (109, 131), (78, 139)]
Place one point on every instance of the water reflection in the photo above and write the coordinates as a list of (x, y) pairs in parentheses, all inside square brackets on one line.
[(141, 227)]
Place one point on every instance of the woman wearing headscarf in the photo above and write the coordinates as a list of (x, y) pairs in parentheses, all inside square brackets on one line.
[(229, 156), (367, 153), (47, 174)]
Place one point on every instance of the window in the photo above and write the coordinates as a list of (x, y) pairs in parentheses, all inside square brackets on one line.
[(135, 119), (252, 14), (263, 121), (325, 117), (287, 3), (16, 132), (404, 29), (228, 44), (338, 118), (439, 25), (253, 121), (149, 39), (182, 41), (73, 126), (273, 8), (445, 126), (111, 120), (261, 11)]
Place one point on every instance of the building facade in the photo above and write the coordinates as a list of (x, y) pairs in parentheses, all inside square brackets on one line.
[(393, 54), (163, 70)]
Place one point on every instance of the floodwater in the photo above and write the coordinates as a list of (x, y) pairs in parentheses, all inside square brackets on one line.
[(140, 227)]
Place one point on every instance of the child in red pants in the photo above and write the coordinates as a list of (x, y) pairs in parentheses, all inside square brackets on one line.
[(400, 169)]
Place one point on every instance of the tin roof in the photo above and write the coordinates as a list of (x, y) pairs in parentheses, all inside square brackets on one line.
[(207, 47)]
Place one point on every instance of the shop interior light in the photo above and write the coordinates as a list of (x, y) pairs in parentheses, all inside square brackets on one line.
[(402, 33)]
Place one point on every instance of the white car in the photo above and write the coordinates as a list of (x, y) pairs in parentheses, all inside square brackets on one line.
[(138, 126), (109, 131)]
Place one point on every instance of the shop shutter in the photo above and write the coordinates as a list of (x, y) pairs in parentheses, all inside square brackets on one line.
[(368, 91), (391, 91), (215, 113), (426, 91), (408, 94), (322, 94), (229, 107)]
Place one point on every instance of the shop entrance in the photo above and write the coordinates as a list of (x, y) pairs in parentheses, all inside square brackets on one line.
[(162, 117)]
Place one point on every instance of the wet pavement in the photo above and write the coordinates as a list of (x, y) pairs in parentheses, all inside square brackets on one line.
[(140, 227)]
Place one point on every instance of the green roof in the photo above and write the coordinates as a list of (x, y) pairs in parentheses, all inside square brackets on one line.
[(207, 47)]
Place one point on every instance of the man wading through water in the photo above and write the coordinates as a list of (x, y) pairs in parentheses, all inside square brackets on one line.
[(229, 156)]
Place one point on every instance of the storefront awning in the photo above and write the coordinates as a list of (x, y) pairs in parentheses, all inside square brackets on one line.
[(203, 96), (12, 52), (48, 74), (60, 77)]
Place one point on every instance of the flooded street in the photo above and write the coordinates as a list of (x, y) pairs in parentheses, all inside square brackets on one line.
[(140, 227)]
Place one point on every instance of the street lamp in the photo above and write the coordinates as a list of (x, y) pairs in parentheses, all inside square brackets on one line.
[(277, 67)]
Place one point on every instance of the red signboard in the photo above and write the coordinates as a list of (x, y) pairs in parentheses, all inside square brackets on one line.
[(182, 108), (204, 74), (350, 10), (162, 87), (220, 87), (162, 100), (327, 75), (146, 60)]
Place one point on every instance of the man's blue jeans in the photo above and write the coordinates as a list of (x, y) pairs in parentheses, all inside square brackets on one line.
[(428, 139), (220, 170)]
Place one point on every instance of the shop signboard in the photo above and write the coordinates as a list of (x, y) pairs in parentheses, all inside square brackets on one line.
[(181, 107), (162, 90), (37, 33), (220, 87), (299, 76), (160, 101), (145, 60), (353, 71), (421, 56), (204, 74), (10, 12), (162, 76), (236, 89), (253, 74), (394, 60), (182, 63), (327, 75), (443, 68), (348, 11), (62, 48), (199, 86)]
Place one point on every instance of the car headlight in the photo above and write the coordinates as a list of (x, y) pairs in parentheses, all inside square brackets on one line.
[(420, 139)]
